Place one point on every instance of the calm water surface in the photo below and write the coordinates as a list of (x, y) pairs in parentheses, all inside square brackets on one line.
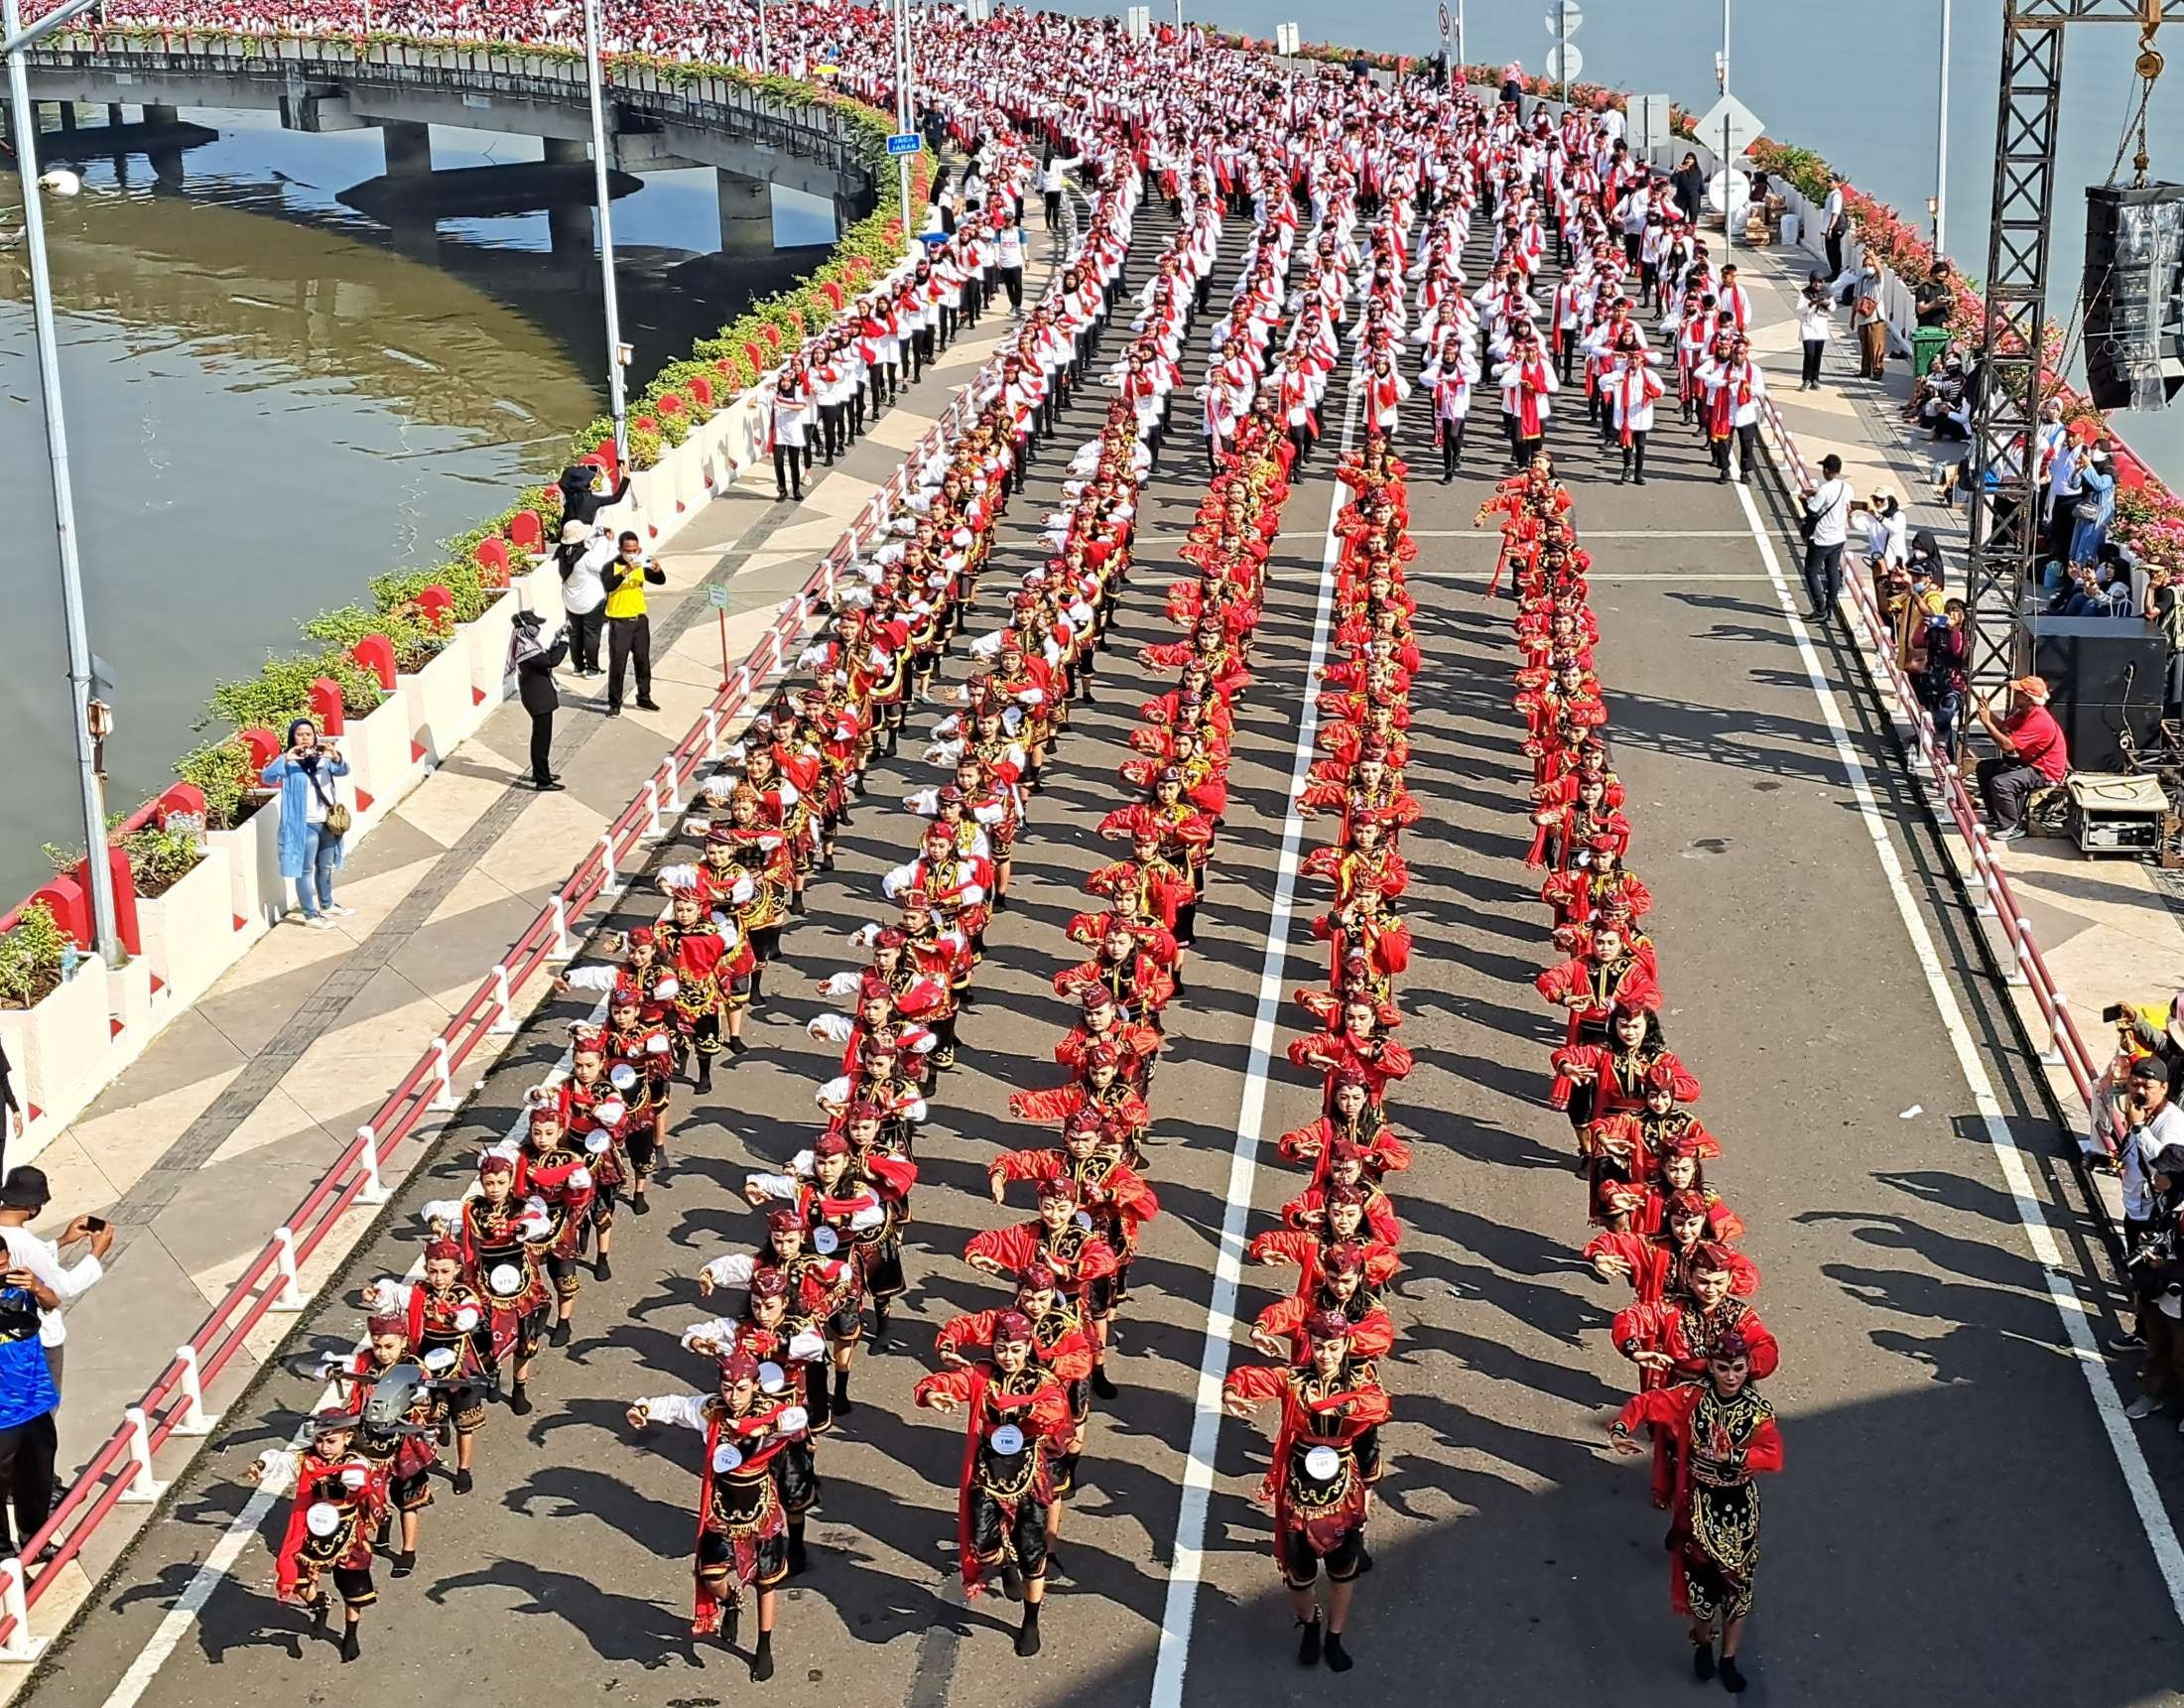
[(272, 398)]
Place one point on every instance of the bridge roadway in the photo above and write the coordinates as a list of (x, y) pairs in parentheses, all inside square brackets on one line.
[(1951, 1526)]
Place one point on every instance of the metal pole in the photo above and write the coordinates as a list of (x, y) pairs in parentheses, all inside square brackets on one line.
[(902, 117), (618, 402), (1562, 42), (1729, 180), (24, 117), (1460, 33), (765, 47), (1941, 141)]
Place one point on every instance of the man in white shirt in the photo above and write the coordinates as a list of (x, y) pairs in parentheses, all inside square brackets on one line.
[(32, 1286), (1827, 527), (23, 1199), (2152, 1123), (1835, 223)]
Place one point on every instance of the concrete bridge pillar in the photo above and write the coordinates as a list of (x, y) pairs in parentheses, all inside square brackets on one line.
[(114, 113), (157, 113), (409, 149), (746, 215), (559, 151), (568, 231), (68, 115)]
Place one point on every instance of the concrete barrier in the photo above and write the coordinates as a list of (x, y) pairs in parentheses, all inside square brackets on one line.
[(188, 933)]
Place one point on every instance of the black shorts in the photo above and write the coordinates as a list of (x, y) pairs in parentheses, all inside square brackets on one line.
[(1100, 1297), (1027, 1536), (355, 1586), (795, 1477), (717, 1558), (1300, 1565)]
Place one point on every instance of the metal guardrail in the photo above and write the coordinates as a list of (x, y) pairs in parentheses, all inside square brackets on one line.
[(2017, 959), (121, 1471)]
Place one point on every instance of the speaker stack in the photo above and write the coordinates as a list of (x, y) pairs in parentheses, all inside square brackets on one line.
[(2104, 675), (2134, 293)]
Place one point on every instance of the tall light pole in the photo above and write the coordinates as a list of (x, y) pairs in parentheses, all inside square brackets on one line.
[(904, 118), (765, 45), (618, 401), (24, 118), (1941, 141), (1729, 167)]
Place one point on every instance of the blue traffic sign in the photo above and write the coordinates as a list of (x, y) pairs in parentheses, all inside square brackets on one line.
[(905, 142)]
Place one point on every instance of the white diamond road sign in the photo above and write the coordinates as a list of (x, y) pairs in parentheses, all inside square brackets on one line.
[(905, 142), (1745, 126)]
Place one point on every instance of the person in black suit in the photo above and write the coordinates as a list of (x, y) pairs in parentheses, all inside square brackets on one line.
[(536, 657)]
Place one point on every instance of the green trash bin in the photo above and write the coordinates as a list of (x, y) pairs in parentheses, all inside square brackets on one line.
[(1927, 343)]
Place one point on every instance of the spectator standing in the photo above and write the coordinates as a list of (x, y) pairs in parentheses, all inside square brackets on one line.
[(2152, 1125), (2096, 507), (583, 497), (1935, 296), (11, 1108), (784, 432), (1815, 323), (1835, 223), (1689, 184), (582, 560), (2165, 611), (534, 658), (2156, 1271), (1869, 322), (1826, 526), (2031, 756), (628, 625), (1054, 176), (1946, 672), (313, 819), (32, 1283)]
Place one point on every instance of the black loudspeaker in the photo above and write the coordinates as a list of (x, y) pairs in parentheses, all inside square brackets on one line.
[(2133, 294), (2104, 677)]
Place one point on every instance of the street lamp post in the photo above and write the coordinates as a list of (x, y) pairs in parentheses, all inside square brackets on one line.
[(618, 401), (1941, 143), (1729, 167), (765, 45), (24, 117), (905, 120)]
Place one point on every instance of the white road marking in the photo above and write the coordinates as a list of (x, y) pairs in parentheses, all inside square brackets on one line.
[(1187, 1563), (242, 1529), (2153, 1515)]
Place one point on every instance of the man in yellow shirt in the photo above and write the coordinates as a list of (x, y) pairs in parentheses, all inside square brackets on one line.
[(629, 628)]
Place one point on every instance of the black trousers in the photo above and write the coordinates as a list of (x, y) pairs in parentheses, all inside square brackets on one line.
[(628, 639), (583, 638), (2005, 785), (1824, 577), (26, 1474), (1012, 281), (1813, 349), (1835, 256), (1054, 208), (542, 744), (788, 469)]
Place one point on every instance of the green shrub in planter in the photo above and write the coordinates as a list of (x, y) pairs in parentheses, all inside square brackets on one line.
[(416, 642), (30, 957), (158, 859), (223, 774)]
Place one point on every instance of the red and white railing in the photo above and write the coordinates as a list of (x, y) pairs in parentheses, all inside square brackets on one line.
[(2017, 957), (121, 1471)]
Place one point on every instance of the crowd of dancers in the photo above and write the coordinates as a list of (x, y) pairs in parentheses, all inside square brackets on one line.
[(1357, 205)]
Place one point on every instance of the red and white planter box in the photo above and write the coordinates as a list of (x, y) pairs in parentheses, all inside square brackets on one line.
[(188, 934), (63, 1051), (440, 707), (382, 767), (254, 884), (485, 643)]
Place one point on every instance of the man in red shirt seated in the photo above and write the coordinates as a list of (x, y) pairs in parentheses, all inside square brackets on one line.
[(2031, 756)]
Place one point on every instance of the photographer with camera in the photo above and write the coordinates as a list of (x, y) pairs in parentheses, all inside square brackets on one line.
[(2152, 1125), (313, 819), (2156, 1269), (534, 656), (32, 1289)]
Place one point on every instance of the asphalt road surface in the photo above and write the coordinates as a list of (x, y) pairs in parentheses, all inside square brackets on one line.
[(1951, 1527)]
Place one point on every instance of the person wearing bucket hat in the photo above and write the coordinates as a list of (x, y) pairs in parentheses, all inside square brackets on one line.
[(743, 1525), (338, 1498), (1016, 1421), (1725, 1435), (1317, 1481)]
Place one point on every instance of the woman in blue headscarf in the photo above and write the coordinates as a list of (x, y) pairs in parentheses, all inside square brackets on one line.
[(313, 819)]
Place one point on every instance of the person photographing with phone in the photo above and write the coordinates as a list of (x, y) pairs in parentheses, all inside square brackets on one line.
[(32, 1287), (313, 819)]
